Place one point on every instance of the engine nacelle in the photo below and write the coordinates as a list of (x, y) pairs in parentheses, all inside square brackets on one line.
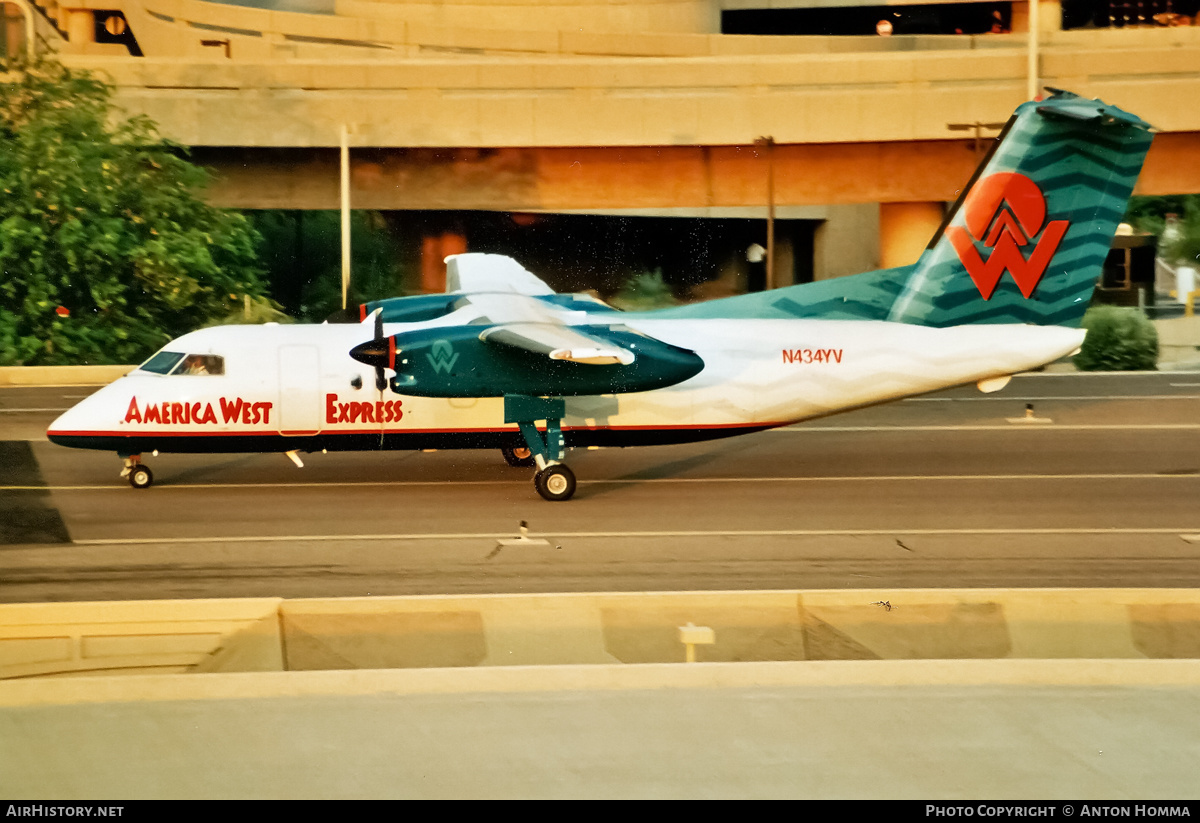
[(455, 362)]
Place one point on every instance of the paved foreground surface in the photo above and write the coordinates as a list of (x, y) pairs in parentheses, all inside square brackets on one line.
[(878, 729), (938, 491)]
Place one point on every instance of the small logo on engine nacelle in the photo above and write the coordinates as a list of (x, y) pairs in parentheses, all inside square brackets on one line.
[(442, 356)]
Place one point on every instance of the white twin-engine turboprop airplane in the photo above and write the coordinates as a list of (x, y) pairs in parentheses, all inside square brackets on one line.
[(501, 361)]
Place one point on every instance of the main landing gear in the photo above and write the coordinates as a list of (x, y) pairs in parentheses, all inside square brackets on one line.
[(140, 477), (554, 480), (519, 456)]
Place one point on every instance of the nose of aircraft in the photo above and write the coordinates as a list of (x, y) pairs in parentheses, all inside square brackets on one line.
[(75, 420)]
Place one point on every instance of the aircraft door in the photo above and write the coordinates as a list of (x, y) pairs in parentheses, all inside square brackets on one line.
[(299, 390)]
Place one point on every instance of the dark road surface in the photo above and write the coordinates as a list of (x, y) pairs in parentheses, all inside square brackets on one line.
[(949, 490)]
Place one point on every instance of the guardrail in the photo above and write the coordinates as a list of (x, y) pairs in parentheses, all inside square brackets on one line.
[(61, 375)]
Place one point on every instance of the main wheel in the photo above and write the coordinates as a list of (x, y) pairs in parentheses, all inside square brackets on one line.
[(555, 482), (517, 456), (140, 477)]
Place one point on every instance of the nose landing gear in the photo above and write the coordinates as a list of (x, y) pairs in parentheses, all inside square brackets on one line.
[(140, 477)]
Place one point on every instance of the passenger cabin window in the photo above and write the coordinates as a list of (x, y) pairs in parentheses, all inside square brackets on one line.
[(162, 363), (201, 365)]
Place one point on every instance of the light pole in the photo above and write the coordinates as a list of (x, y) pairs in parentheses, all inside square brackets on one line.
[(1031, 90), (769, 143), (977, 127), (345, 197)]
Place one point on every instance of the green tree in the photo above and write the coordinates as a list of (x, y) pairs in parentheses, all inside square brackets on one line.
[(106, 249), (302, 254)]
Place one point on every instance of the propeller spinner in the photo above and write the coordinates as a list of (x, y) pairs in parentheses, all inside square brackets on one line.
[(379, 352)]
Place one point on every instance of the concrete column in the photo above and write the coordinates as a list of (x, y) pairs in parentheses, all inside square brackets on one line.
[(905, 230), (1049, 16), (19, 13), (847, 242), (434, 251), (14, 23), (81, 26)]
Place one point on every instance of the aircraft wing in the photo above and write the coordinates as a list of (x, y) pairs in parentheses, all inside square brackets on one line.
[(506, 295)]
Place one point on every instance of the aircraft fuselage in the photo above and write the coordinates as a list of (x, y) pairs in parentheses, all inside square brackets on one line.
[(296, 387)]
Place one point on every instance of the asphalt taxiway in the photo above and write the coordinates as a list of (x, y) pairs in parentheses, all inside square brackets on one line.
[(1097, 485)]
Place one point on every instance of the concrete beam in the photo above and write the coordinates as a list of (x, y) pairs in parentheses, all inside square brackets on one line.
[(725, 100), (679, 178)]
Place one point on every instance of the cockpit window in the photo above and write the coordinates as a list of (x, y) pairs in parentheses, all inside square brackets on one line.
[(162, 363), (201, 364)]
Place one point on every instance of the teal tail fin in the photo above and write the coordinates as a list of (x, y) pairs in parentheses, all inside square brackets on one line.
[(1025, 243), (1027, 240)]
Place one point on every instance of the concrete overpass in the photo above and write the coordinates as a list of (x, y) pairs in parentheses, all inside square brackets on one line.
[(641, 106)]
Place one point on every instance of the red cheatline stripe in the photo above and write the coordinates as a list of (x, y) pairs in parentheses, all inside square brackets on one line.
[(268, 432)]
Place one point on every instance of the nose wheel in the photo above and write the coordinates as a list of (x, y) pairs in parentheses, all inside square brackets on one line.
[(139, 476)]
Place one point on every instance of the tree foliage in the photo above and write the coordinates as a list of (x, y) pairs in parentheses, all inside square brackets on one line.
[(106, 249), (302, 254), (1149, 214)]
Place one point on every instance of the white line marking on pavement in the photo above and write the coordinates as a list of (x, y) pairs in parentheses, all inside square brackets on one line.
[(1012, 399), (559, 535), (609, 481)]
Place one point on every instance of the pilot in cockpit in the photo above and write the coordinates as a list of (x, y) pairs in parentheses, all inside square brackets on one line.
[(194, 364)]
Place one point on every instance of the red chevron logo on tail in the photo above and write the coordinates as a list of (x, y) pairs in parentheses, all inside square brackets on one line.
[(1004, 212)]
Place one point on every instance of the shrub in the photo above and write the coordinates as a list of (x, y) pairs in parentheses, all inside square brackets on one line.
[(644, 292), (1118, 339)]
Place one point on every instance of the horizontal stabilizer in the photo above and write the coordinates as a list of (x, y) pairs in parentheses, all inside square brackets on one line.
[(469, 273)]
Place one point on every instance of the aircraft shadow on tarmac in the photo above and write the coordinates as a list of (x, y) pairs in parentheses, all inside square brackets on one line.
[(26, 515)]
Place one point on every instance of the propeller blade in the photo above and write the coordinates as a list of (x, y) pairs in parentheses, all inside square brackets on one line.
[(380, 377)]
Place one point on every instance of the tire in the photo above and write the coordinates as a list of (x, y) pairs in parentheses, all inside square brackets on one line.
[(141, 477), (519, 456), (555, 483)]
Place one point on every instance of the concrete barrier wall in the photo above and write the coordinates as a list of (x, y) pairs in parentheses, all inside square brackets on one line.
[(364, 29), (467, 99), (595, 629), (61, 375), (369, 29), (139, 637)]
